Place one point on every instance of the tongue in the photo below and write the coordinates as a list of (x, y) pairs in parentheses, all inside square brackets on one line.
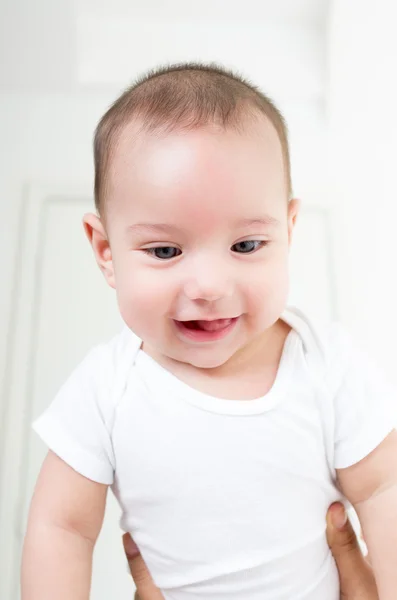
[(213, 325)]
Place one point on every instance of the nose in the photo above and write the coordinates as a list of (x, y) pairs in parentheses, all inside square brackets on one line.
[(208, 283)]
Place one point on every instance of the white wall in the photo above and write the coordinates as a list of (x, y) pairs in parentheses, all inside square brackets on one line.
[(362, 116)]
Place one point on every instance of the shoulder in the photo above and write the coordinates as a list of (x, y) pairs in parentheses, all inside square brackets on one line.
[(326, 336), (363, 401), (327, 344), (116, 352), (106, 365)]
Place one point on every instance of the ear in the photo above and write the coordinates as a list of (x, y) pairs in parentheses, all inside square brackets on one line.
[(293, 211), (98, 239)]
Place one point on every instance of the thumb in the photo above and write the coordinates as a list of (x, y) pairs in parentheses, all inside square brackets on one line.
[(354, 572), (145, 586), (340, 533)]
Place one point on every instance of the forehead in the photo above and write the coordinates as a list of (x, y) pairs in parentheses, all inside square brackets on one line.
[(205, 174)]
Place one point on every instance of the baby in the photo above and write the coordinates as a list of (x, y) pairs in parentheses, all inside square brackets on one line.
[(224, 421)]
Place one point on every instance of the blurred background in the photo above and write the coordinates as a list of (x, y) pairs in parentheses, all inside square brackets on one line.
[(331, 68)]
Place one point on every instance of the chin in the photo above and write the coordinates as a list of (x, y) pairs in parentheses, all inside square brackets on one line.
[(212, 361)]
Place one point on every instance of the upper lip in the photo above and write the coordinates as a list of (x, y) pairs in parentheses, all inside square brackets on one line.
[(206, 319)]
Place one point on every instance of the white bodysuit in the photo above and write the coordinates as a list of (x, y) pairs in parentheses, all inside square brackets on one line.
[(226, 499)]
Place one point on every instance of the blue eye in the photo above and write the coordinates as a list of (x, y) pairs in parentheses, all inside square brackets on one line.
[(247, 246), (163, 252)]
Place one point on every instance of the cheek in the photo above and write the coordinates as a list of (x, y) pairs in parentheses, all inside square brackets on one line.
[(268, 292), (141, 296)]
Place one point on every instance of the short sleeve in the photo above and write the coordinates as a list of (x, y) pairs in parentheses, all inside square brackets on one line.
[(365, 403), (77, 424)]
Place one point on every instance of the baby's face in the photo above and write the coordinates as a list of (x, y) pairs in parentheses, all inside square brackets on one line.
[(199, 231)]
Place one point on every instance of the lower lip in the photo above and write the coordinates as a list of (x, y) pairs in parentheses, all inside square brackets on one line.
[(198, 335)]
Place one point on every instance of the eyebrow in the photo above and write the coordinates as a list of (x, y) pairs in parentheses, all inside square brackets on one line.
[(138, 228), (152, 228), (266, 220)]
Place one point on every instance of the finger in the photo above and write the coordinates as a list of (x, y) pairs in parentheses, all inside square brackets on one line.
[(130, 548), (354, 572), (340, 533), (146, 589)]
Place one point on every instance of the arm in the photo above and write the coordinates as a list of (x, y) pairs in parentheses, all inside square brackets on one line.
[(371, 487), (65, 519)]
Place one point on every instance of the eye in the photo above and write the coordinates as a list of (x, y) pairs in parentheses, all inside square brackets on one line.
[(248, 246), (163, 252)]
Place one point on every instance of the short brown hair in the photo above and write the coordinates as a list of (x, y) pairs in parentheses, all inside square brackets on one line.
[(183, 96)]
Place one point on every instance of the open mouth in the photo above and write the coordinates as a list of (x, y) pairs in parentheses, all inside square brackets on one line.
[(206, 331), (215, 325)]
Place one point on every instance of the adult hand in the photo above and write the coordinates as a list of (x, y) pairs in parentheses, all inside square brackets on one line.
[(145, 588), (356, 576), (357, 580)]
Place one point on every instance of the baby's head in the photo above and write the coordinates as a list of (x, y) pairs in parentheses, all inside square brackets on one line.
[(193, 193)]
